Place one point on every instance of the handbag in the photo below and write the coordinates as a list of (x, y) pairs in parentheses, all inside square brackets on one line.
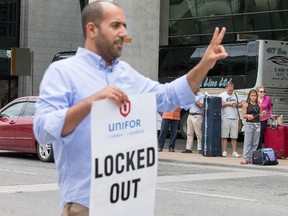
[(266, 156), (240, 123)]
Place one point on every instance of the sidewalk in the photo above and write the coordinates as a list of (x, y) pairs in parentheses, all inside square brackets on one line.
[(228, 161)]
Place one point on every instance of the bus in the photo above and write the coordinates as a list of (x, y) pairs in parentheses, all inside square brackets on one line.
[(249, 64)]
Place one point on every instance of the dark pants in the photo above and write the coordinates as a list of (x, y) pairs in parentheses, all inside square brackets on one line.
[(165, 124), (261, 138)]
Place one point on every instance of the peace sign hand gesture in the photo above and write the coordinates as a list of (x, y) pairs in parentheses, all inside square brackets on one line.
[(213, 53), (215, 50)]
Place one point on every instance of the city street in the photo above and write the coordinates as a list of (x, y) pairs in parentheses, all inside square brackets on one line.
[(84, 79), (28, 187), (186, 189)]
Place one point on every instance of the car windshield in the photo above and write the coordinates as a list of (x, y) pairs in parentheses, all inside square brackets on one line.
[(13, 110)]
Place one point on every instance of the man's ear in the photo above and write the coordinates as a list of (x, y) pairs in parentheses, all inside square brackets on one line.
[(91, 30)]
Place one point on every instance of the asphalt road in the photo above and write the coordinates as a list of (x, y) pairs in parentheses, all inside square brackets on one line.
[(186, 190), (28, 187)]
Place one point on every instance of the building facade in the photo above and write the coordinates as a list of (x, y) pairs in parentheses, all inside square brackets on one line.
[(43, 27), (193, 21)]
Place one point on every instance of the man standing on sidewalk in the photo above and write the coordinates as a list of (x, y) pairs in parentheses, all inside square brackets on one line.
[(70, 86), (194, 123), (169, 120), (230, 106)]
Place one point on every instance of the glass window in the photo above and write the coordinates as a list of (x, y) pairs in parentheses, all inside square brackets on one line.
[(243, 23), (172, 62), (252, 65), (193, 21), (233, 65), (13, 110), (176, 61), (183, 27), (8, 89), (212, 7), (29, 109), (181, 9), (9, 23), (279, 19), (281, 35), (8, 19), (4, 86)]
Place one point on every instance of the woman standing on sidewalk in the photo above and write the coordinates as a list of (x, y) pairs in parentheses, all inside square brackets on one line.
[(252, 112), (266, 105)]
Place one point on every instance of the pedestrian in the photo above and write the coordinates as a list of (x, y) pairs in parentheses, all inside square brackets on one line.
[(170, 122), (252, 112), (70, 86), (229, 113), (266, 105), (194, 123)]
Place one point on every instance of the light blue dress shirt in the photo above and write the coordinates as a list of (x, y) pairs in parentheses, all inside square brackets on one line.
[(68, 82)]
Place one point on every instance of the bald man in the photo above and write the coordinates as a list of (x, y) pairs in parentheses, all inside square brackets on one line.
[(70, 86)]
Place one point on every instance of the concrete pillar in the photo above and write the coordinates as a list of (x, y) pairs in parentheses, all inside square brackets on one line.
[(164, 23), (143, 20)]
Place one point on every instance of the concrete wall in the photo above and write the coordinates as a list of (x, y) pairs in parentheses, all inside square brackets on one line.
[(47, 27), (143, 20)]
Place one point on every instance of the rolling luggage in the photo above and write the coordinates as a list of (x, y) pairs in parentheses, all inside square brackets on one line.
[(211, 127), (278, 140), (266, 156)]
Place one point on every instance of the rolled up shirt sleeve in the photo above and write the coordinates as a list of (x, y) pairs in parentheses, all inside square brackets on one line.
[(175, 94), (48, 126), (51, 107)]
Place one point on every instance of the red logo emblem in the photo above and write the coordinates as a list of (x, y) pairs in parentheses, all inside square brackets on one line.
[(125, 109)]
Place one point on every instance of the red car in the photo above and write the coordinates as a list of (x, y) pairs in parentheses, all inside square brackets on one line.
[(16, 129)]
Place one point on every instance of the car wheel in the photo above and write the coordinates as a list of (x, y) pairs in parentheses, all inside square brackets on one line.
[(45, 152), (183, 125)]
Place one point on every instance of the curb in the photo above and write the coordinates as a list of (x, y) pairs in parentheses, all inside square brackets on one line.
[(272, 168)]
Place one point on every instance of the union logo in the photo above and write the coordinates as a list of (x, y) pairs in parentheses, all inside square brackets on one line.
[(125, 109)]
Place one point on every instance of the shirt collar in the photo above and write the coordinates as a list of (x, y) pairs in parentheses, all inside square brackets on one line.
[(94, 59)]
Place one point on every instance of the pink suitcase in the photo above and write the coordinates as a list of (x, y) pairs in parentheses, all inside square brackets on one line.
[(278, 140)]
